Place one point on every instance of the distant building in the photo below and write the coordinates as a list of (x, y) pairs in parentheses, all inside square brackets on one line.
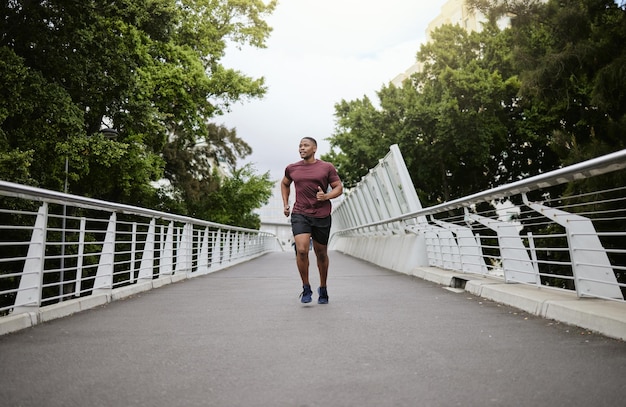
[(452, 12), (455, 12)]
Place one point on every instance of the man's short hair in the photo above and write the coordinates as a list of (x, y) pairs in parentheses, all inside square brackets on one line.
[(310, 138)]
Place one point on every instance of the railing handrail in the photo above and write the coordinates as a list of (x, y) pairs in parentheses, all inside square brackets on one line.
[(86, 259), (498, 237), (44, 195), (593, 167)]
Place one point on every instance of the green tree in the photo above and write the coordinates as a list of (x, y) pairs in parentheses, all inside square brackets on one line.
[(151, 70), (571, 55), (233, 202), (358, 142), (33, 115), (499, 105), (193, 167), (458, 121), (460, 100)]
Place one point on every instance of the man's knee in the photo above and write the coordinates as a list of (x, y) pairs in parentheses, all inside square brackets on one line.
[(321, 255)]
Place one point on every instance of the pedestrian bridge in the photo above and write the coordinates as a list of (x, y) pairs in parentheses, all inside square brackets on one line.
[(473, 301)]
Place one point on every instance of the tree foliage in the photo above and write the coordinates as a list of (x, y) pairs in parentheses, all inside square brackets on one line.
[(149, 69), (571, 58), (247, 187), (498, 105)]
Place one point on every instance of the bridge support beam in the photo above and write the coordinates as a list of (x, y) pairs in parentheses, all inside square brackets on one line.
[(146, 267), (184, 254), (104, 275), (470, 257), (203, 256), (516, 263), (29, 292), (591, 266)]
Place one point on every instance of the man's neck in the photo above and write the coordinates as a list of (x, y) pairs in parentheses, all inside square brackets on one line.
[(310, 160)]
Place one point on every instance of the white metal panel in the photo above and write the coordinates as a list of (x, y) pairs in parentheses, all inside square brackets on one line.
[(516, 263), (104, 275), (29, 293), (591, 266)]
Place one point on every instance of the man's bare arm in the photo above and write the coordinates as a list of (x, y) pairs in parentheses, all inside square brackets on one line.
[(285, 189)]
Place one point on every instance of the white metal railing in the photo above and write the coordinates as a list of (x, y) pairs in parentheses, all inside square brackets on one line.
[(537, 231), (385, 192), (55, 246)]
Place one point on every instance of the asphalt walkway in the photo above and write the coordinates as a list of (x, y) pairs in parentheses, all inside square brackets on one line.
[(240, 337)]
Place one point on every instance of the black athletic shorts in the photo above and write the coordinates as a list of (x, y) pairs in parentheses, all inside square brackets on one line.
[(318, 228)]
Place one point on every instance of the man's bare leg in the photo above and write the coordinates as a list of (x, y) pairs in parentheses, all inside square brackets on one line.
[(321, 253), (302, 256)]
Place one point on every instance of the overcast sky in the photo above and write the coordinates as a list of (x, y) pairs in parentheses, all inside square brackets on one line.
[(320, 52)]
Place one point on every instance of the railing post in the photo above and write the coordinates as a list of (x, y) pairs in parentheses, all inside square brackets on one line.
[(216, 258), (29, 291), (238, 244), (81, 257), (591, 266), (133, 253), (203, 256), (433, 245), (104, 275), (184, 252), (516, 264), (167, 253), (533, 256), (452, 251), (466, 253), (146, 267)]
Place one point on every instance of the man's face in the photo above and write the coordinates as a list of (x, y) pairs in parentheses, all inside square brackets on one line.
[(307, 148)]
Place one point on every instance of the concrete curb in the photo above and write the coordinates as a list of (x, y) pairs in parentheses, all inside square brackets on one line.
[(13, 323), (131, 290), (17, 322), (602, 316), (70, 307)]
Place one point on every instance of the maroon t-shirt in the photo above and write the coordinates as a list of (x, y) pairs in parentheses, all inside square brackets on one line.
[(306, 178)]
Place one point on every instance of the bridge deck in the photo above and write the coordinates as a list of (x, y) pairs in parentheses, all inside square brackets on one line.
[(240, 337)]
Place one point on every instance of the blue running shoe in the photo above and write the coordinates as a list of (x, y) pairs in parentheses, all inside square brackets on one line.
[(305, 297), (323, 295)]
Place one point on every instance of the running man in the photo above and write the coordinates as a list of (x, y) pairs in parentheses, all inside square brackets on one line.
[(316, 183)]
